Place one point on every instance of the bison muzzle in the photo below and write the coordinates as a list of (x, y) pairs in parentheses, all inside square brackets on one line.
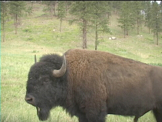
[(91, 84)]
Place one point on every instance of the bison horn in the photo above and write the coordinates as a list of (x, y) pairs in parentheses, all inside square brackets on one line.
[(62, 70)]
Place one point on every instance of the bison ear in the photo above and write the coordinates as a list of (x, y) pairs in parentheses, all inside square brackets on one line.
[(62, 70)]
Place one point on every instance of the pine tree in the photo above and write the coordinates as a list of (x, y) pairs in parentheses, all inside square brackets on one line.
[(156, 20), (4, 14), (98, 17), (147, 10), (16, 10), (108, 6), (29, 8), (80, 10), (50, 6), (116, 5), (67, 4), (61, 11), (137, 14), (126, 20), (161, 16)]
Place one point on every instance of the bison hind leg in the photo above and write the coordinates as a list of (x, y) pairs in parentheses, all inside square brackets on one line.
[(158, 114), (136, 119), (94, 116), (139, 115)]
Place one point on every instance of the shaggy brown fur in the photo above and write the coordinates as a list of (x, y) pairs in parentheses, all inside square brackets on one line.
[(105, 82)]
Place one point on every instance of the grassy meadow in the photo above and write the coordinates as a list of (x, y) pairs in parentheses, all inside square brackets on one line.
[(36, 35)]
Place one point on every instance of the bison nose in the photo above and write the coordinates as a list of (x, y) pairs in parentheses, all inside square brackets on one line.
[(30, 99)]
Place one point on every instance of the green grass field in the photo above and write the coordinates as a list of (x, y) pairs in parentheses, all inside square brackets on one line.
[(36, 36)]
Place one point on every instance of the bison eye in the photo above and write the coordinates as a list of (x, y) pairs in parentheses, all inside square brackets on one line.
[(44, 79)]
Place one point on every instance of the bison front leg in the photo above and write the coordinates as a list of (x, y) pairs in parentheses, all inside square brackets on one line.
[(82, 118), (96, 115), (158, 114), (136, 119)]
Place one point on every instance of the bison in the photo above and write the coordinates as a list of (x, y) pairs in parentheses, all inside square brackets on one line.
[(91, 84)]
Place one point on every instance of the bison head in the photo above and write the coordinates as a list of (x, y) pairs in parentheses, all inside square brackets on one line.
[(46, 84)]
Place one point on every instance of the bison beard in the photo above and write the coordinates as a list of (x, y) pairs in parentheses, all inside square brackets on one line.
[(92, 84), (42, 113)]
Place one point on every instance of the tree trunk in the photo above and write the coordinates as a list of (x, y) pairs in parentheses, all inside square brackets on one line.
[(154, 36), (157, 38), (51, 12), (127, 32), (60, 24), (16, 24), (66, 8), (3, 21), (84, 34), (3, 31), (124, 31), (149, 30), (54, 6), (137, 26), (96, 39)]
